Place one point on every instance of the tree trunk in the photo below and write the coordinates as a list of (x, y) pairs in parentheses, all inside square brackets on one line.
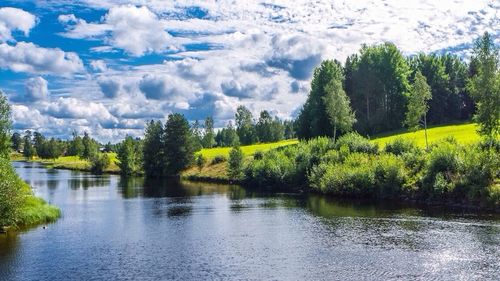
[(334, 131), (425, 131)]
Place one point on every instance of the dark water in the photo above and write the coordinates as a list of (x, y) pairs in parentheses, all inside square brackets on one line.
[(113, 229)]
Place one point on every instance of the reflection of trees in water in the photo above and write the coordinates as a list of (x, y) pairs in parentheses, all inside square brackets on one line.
[(131, 187), (88, 181), (8, 246)]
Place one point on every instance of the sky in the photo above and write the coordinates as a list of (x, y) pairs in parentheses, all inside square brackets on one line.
[(108, 66)]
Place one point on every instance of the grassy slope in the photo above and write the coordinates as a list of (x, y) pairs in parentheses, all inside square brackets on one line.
[(248, 150), (463, 133)]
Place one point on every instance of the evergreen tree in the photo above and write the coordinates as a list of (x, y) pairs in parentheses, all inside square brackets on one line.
[(178, 146), (17, 141), (28, 148), (244, 126), (209, 137), (152, 150), (485, 86), (90, 147), (197, 134), (417, 104)]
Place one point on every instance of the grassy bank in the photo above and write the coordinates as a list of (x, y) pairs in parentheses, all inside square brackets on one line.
[(248, 150), (463, 134), (19, 207), (77, 163)]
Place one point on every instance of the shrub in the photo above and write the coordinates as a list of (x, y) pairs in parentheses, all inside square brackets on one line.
[(400, 145), (218, 159), (99, 163), (200, 161), (10, 194), (343, 179), (390, 175), (356, 143), (479, 169), (275, 169), (258, 155), (443, 165), (235, 167)]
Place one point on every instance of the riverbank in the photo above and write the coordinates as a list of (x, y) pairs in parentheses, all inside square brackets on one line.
[(20, 207)]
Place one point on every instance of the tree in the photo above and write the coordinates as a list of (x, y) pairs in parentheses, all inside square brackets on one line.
[(28, 148), (377, 84), (38, 140), (227, 136), (235, 163), (178, 146), (152, 150), (5, 126), (197, 134), (338, 108), (264, 127), (129, 156), (90, 147), (315, 118), (485, 86), (99, 162), (244, 126), (200, 161), (17, 141), (417, 106), (75, 147), (52, 149), (209, 137), (289, 131)]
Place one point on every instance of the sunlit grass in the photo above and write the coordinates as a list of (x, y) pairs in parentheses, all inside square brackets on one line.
[(76, 163), (463, 133), (248, 150)]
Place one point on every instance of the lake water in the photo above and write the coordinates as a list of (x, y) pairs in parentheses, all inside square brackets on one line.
[(115, 229)]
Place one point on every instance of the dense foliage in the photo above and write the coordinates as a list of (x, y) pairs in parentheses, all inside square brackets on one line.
[(168, 149), (353, 167)]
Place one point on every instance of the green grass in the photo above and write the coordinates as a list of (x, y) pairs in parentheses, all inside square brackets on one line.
[(36, 211), (76, 163), (248, 150), (463, 133)]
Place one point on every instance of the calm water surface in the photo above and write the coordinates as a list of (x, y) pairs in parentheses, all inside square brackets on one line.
[(114, 229)]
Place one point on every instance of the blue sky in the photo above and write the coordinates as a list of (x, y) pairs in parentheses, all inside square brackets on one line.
[(107, 66)]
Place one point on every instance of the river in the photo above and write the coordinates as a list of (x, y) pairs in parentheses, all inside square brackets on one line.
[(116, 229)]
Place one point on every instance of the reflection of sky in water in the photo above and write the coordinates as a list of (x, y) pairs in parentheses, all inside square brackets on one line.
[(133, 228)]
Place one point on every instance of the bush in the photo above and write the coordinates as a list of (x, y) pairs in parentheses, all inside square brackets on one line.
[(390, 175), (218, 159), (235, 167), (343, 179), (442, 168), (258, 155), (10, 194), (400, 145), (480, 167), (200, 161), (356, 143), (275, 169), (99, 163)]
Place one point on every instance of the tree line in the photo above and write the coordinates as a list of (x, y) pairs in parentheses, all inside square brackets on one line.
[(380, 90)]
